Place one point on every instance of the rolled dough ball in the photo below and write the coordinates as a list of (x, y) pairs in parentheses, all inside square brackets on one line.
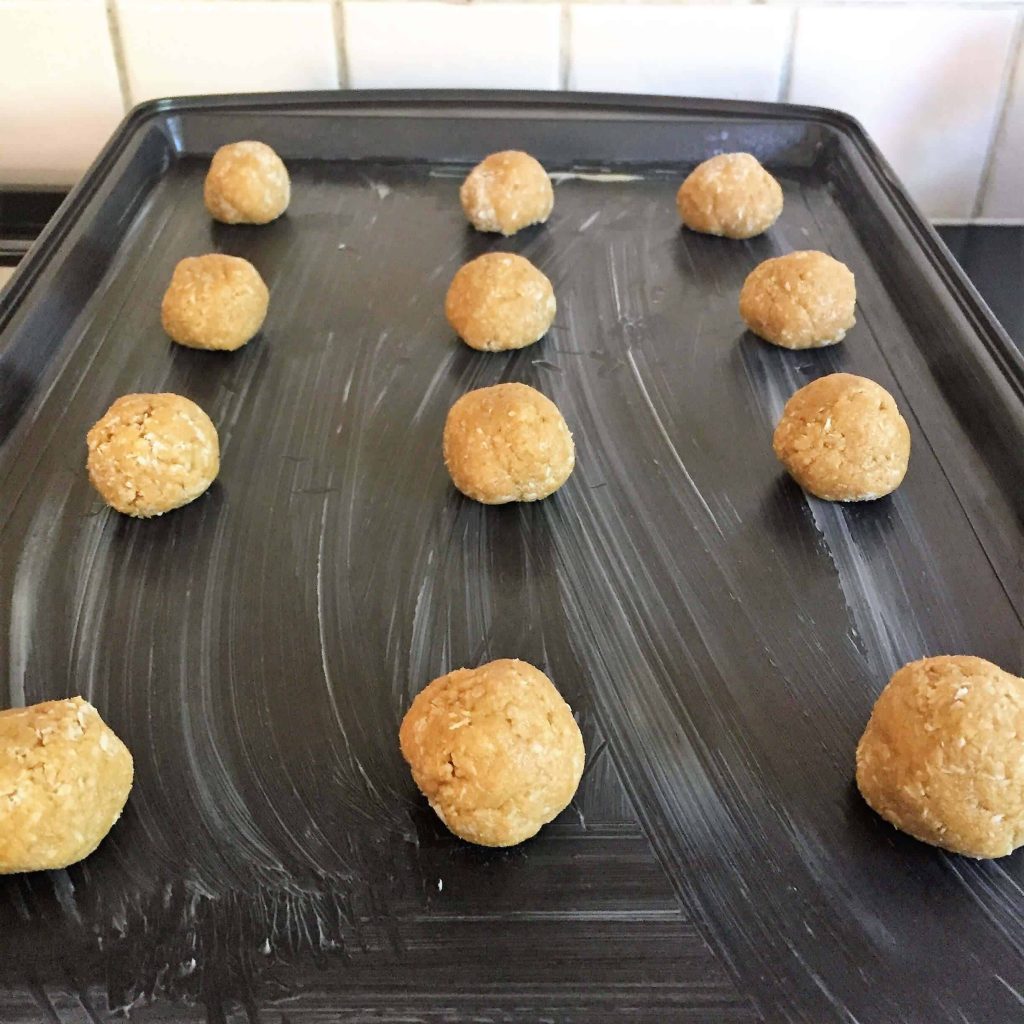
[(507, 191), (500, 301), (495, 750), (731, 195), (800, 300), (214, 302), (64, 780), (151, 453), (842, 438), (942, 757), (507, 443), (247, 184)]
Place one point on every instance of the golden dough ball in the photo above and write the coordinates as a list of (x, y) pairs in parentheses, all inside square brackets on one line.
[(64, 780), (507, 443), (731, 195), (151, 453), (506, 192), (500, 301), (842, 438), (801, 300), (247, 183), (214, 302), (495, 750), (942, 757)]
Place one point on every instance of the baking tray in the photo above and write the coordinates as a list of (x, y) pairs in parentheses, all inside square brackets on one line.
[(720, 635)]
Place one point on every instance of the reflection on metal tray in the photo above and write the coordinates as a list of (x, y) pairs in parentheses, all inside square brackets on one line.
[(721, 636)]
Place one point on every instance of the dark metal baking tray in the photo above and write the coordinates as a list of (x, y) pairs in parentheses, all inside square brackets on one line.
[(721, 636)]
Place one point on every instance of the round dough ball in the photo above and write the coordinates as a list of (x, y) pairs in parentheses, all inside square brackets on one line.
[(507, 191), (151, 453), (507, 443), (801, 300), (500, 301), (247, 184), (730, 195), (842, 438), (64, 780), (214, 302), (942, 757), (495, 750)]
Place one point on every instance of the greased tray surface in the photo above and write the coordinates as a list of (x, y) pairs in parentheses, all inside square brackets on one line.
[(721, 636)]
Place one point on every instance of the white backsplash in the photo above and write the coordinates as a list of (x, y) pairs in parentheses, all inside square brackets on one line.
[(939, 85)]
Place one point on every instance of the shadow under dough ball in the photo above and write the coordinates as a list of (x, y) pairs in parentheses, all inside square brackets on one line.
[(247, 183), (149, 454), (800, 300), (842, 438), (500, 301), (730, 195), (214, 302), (507, 443), (495, 750), (942, 757), (506, 192), (64, 780)]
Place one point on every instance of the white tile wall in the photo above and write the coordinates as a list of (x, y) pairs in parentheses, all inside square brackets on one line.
[(175, 47), (506, 45), (1004, 198), (59, 93), (924, 81), (724, 51), (930, 80)]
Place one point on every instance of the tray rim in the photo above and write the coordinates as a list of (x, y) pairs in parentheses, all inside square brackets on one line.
[(997, 342)]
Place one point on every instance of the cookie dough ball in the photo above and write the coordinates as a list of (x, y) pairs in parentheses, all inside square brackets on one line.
[(942, 756), (730, 195), (495, 750), (801, 300), (507, 191), (507, 443), (151, 453), (842, 438), (247, 184), (500, 301), (214, 302), (64, 780)]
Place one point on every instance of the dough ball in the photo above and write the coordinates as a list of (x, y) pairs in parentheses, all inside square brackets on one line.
[(214, 302), (247, 184), (801, 300), (151, 453), (495, 750), (507, 191), (64, 780), (730, 195), (942, 757), (507, 443), (842, 438), (500, 301)]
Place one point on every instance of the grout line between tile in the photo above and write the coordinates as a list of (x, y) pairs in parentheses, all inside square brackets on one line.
[(564, 45), (120, 62), (340, 44), (786, 78), (1000, 125)]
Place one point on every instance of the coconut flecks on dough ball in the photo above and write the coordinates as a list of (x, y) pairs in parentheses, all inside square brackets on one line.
[(64, 780), (800, 300), (730, 195), (507, 443), (942, 757), (149, 454), (506, 192), (214, 302), (495, 750), (247, 183), (842, 438), (500, 301)]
